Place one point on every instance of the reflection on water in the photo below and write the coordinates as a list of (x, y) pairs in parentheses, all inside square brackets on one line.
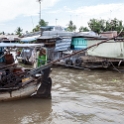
[(78, 97)]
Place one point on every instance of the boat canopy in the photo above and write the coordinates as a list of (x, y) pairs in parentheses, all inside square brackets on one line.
[(20, 45), (29, 39), (48, 37)]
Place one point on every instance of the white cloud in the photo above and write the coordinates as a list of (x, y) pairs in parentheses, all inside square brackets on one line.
[(10, 9), (82, 15), (55, 11), (103, 10)]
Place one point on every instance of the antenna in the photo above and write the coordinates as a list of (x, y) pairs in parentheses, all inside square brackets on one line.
[(32, 21), (39, 9)]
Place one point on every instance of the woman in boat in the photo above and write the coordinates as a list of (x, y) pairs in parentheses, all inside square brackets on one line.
[(42, 57)]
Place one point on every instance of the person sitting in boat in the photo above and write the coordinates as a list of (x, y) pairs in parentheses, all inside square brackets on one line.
[(42, 57)]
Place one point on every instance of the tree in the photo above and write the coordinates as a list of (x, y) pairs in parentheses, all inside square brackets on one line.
[(37, 28), (19, 31), (3, 33), (95, 25), (105, 25), (83, 29), (102, 25), (114, 25), (41, 23), (71, 26)]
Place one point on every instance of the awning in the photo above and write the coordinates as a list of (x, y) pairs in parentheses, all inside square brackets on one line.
[(29, 39), (20, 45)]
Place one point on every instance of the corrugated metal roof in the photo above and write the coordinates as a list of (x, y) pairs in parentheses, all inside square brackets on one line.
[(29, 39), (20, 45)]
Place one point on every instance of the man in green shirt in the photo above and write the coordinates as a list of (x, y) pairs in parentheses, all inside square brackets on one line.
[(42, 57)]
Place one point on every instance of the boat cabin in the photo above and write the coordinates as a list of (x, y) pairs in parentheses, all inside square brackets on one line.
[(48, 41), (83, 41)]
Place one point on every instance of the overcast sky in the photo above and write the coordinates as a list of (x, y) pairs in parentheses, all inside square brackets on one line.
[(25, 13)]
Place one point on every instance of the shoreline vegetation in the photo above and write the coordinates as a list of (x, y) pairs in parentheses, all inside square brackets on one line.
[(96, 25)]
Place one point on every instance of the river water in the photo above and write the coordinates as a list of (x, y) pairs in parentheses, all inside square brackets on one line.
[(78, 97)]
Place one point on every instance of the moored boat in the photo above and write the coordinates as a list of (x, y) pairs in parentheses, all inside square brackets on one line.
[(90, 52), (103, 55), (18, 82)]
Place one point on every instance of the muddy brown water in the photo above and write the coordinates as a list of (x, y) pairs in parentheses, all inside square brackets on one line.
[(78, 97)]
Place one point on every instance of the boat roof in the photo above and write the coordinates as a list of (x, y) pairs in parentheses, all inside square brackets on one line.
[(26, 45), (9, 38), (89, 36), (48, 37), (47, 27), (29, 39)]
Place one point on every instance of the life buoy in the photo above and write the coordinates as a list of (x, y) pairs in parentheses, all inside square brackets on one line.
[(78, 62), (68, 62), (105, 64)]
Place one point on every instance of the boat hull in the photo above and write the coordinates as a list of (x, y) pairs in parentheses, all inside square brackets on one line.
[(23, 92)]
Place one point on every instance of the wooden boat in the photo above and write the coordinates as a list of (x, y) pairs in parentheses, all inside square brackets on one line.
[(104, 55), (17, 82), (94, 52)]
